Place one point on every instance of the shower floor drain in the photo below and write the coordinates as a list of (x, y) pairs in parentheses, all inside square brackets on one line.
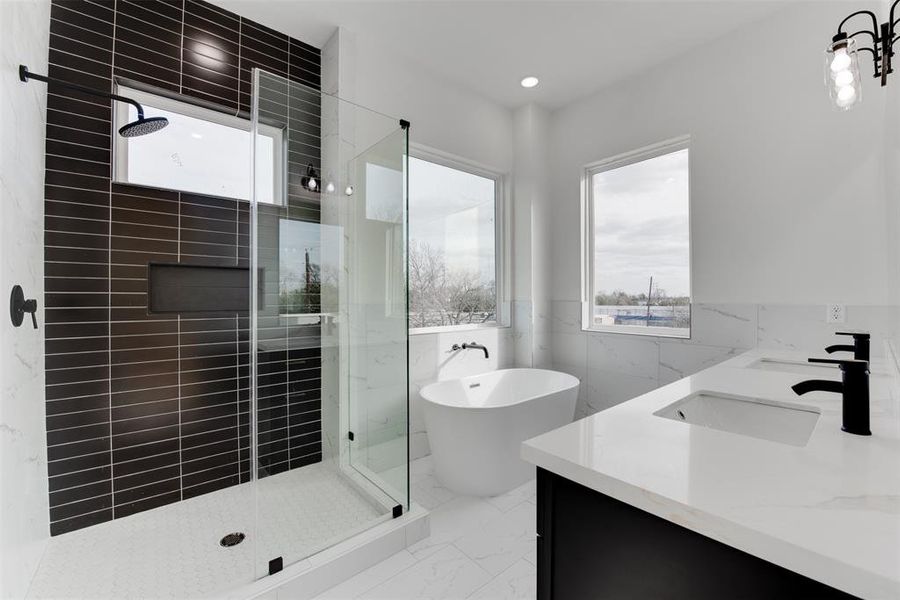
[(232, 539)]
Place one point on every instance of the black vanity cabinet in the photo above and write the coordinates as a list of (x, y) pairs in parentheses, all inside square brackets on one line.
[(593, 547)]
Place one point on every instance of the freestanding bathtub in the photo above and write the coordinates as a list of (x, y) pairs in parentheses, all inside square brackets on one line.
[(477, 424)]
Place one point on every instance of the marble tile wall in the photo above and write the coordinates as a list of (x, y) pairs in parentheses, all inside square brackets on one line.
[(24, 525), (430, 360), (614, 368)]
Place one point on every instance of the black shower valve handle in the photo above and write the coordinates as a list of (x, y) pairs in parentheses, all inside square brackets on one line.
[(30, 306), (18, 306)]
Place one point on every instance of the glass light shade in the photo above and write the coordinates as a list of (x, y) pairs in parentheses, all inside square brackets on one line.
[(843, 78), (842, 74)]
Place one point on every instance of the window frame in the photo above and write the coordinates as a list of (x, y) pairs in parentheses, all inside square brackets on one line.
[(502, 235), (184, 106), (587, 239)]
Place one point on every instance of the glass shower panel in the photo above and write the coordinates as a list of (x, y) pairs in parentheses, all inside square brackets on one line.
[(308, 272), (378, 402)]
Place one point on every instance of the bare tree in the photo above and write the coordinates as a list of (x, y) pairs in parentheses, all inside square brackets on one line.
[(441, 296)]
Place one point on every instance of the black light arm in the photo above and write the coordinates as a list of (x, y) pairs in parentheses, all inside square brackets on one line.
[(25, 75), (874, 31), (883, 39)]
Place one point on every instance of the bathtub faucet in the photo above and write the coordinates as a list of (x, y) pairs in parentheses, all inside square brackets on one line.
[(472, 346)]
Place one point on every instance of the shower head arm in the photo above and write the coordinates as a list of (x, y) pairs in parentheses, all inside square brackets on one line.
[(25, 75)]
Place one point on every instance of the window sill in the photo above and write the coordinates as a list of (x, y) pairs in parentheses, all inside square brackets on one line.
[(455, 328), (660, 332)]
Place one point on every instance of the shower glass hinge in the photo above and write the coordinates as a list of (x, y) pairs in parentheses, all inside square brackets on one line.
[(275, 565), (350, 435), (398, 510)]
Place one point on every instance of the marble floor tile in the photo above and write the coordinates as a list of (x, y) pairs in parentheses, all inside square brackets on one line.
[(519, 582), (422, 466), (454, 519), (479, 548), (427, 491), (513, 498), (447, 574), (500, 543)]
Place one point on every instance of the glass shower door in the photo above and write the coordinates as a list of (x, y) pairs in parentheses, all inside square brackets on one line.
[(378, 382), (328, 257)]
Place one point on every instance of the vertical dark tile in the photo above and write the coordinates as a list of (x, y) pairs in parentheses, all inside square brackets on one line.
[(145, 410)]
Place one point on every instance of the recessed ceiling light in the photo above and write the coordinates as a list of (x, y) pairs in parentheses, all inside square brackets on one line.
[(529, 82)]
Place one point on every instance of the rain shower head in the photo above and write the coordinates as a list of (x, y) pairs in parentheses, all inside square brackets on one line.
[(142, 126)]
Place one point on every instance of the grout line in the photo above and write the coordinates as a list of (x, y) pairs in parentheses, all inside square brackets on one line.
[(78, 116), (180, 397), (145, 5), (93, 512), (71, 39), (112, 467), (77, 56)]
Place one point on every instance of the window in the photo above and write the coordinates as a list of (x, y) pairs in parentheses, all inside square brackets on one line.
[(299, 268), (202, 151), (637, 242), (455, 268)]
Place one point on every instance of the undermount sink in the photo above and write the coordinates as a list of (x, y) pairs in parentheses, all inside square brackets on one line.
[(797, 367), (783, 423)]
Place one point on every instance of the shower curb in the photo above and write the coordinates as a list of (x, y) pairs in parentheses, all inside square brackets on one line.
[(309, 578)]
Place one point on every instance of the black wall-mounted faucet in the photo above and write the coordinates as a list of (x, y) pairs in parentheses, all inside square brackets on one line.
[(860, 347), (854, 390), (470, 346)]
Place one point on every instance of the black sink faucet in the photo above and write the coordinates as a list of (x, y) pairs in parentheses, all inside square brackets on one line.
[(471, 346), (853, 387), (860, 347)]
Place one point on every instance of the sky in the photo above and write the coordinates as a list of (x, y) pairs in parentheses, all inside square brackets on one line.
[(641, 226), (453, 211), (199, 156)]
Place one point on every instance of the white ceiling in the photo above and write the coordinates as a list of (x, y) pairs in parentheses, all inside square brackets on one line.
[(575, 48)]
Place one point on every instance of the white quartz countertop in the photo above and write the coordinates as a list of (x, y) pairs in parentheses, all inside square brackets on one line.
[(829, 510)]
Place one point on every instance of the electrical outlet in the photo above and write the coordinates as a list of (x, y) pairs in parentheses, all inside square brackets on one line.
[(835, 313)]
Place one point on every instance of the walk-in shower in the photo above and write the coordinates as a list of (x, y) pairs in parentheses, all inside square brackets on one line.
[(302, 333)]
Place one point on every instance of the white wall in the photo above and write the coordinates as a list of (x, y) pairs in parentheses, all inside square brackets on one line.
[(24, 516), (443, 116), (457, 121), (892, 189), (531, 233), (787, 204)]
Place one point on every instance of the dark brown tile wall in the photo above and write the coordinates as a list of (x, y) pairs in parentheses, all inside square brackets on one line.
[(144, 410)]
